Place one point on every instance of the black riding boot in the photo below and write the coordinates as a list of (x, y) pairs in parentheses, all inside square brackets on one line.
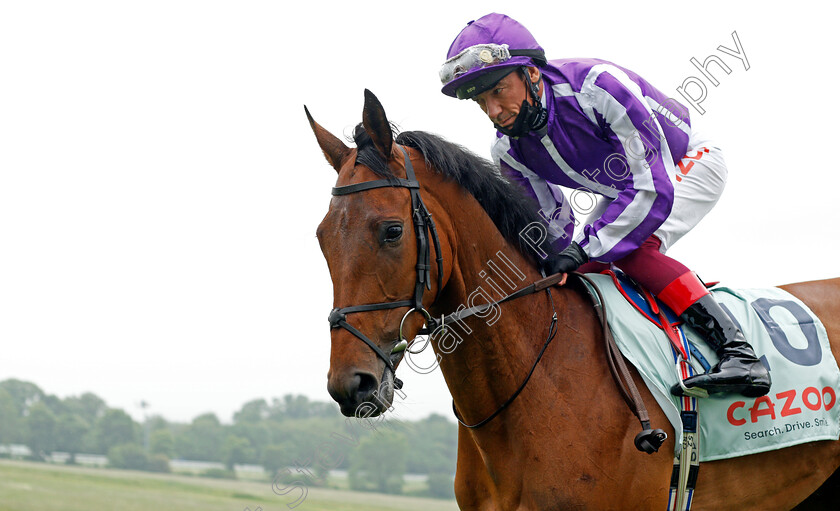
[(739, 370)]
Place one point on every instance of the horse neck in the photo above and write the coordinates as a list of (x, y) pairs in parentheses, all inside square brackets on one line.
[(484, 359)]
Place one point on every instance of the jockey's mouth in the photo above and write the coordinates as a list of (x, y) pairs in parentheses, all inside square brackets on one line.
[(507, 122)]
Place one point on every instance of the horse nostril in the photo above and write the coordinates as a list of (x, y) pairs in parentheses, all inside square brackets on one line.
[(365, 387)]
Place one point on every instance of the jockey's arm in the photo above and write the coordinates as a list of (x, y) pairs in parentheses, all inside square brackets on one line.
[(554, 207), (642, 173)]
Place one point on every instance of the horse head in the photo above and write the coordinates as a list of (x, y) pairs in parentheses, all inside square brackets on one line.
[(373, 245)]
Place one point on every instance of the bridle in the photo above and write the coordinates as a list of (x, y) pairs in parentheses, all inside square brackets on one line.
[(423, 226), (648, 440)]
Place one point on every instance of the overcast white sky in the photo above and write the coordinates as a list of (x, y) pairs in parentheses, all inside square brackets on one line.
[(160, 187)]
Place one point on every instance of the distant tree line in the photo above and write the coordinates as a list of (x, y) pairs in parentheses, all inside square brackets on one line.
[(293, 438)]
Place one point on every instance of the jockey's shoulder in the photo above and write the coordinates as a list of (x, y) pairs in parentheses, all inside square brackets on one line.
[(500, 146), (578, 71)]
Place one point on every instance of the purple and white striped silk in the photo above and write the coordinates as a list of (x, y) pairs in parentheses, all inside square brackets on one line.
[(610, 133)]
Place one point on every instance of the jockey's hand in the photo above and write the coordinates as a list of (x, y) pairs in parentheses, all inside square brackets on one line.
[(566, 261)]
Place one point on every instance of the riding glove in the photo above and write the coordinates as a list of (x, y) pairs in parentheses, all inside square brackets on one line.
[(568, 260)]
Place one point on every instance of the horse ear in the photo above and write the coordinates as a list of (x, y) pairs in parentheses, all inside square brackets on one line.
[(377, 125), (334, 149)]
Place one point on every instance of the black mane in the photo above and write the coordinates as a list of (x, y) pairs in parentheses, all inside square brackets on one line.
[(506, 204)]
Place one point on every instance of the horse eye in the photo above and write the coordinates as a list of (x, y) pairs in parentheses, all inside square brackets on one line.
[(393, 233)]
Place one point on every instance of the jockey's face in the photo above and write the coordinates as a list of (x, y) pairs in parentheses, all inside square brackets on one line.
[(502, 102)]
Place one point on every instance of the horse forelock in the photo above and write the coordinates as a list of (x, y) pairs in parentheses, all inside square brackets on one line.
[(368, 155)]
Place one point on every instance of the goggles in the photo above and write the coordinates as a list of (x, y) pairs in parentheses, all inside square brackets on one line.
[(483, 55), (472, 58)]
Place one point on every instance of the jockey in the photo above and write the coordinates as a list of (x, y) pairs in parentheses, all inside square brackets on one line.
[(627, 150)]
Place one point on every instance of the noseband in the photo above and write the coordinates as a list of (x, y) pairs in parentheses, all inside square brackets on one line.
[(423, 225)]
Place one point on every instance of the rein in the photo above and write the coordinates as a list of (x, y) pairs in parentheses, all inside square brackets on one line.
[(648, 440), (552, 331)]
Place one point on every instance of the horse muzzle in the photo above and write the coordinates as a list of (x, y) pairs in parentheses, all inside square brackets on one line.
[(363, 395)]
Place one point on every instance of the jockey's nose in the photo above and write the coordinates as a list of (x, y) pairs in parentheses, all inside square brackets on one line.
[(493, 109)]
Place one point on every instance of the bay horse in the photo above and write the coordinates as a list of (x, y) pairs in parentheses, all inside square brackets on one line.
[(566, 442)]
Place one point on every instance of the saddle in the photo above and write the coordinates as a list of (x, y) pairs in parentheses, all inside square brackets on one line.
[(787, 337)]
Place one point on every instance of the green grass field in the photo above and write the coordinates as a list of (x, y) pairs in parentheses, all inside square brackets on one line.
[(27, 486)]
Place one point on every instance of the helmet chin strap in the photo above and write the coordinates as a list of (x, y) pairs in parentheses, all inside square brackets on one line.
[(531, 117)]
